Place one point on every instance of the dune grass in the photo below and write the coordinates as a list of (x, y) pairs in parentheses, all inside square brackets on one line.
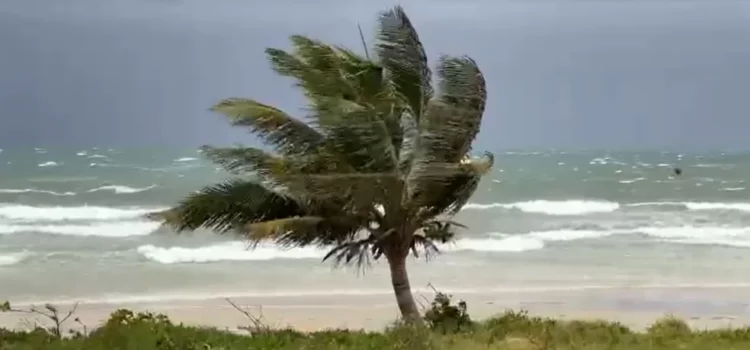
[(511, 331), (447, 326)]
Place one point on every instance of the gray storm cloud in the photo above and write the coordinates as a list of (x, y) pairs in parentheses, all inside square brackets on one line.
[(646, 74)]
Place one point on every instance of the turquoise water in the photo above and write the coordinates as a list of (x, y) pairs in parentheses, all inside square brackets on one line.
[(70, 228)]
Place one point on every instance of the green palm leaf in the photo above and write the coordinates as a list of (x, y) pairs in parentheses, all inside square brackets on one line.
[(228, 206), (402, 54), (240, 160), (307, 230), (437, 178), (287, 134), (463, 92)]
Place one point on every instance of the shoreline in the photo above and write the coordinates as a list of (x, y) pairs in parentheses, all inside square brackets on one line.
[(637, 309)]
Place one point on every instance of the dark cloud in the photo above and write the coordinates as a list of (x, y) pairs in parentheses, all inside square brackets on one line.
[(654, 74)]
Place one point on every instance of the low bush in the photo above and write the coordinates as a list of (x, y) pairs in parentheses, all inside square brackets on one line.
[(447, 326)]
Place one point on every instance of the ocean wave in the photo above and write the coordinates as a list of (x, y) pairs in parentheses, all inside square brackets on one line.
[(24, 212), (48, 164), (731, 206), (62, 179), (733, 189), (568, 207), (8, 259), (109, 229), (185, 159), (738, 237), (230, 251), (33, 190), (583, 207), (510, 244), (630, 181), (238, 251), (118, 189), (708, 235), (696, 232)]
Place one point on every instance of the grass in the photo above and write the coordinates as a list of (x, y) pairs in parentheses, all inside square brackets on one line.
[(446, 327)]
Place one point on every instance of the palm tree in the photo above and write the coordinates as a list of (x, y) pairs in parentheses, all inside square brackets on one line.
[(377, 170)]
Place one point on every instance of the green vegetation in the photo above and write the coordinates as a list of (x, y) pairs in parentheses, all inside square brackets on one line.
[(447, 328), (378, 168)]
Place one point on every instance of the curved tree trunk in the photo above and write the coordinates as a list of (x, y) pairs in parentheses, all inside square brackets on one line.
[(402, 288)]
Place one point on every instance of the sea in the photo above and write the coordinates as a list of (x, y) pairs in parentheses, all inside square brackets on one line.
[(72, 229)]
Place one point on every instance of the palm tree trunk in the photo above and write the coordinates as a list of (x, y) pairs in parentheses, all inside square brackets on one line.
[(402, 288)]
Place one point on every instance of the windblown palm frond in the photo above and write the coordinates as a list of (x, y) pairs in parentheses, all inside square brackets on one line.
[(287, 134), (239, 160), (348, 99), (307, 230), (401, 52), (322, 70), (447, 130), (449, 194), (463, 91), (229, 206)]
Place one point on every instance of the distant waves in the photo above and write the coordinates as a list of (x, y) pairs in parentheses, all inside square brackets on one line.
[(129, 222), (583, 207), (117, 189)]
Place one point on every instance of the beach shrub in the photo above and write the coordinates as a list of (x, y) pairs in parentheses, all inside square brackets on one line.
[(512, 330), (446, 317), (669, 327)]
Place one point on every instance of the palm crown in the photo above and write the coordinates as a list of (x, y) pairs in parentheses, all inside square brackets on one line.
[(376, 169)]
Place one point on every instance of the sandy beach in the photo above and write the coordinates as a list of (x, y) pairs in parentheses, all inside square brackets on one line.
[(635, 307)]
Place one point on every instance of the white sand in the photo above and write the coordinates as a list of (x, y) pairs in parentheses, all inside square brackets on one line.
[(376, 311)]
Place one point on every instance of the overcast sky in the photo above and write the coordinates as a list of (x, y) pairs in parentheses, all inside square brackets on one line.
[(668, 74)]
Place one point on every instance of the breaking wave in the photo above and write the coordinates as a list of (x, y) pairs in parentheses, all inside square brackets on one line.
[(583, 207)]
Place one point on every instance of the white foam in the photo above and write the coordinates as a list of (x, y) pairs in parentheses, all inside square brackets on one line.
[(25, 212), (82, 153), (514, 243), (583, 207), (230, 251), (118, 189), (97, 156), (47, 164), (32, 190), (238, 251), (692, 232), (733, 189), (571, 235), (12, 258), (110, 229), (718, 206), (630, 181), (185, 159), (481, 206), (724, 236), (712, 241), (566, 207)]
